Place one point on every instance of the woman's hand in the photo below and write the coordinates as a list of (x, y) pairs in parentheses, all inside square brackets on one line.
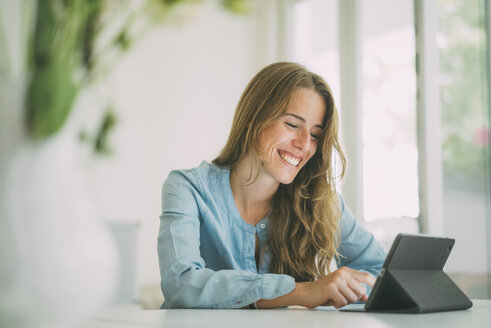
[(340, 288)]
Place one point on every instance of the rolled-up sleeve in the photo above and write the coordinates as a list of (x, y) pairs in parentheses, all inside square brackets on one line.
[(186, 281), (358, 248)]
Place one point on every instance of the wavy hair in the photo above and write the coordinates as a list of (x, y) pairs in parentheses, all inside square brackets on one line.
[(304, 220)]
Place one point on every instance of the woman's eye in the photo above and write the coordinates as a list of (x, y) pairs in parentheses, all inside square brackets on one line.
[(315, 136), (291, 125)]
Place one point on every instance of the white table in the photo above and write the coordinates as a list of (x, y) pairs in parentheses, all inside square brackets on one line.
[(478, 316)]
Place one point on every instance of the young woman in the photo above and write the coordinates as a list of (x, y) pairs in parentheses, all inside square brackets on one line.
[(260, 226)]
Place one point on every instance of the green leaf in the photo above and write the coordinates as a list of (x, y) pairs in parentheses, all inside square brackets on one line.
[(101, 145), (50, 97), (237, 6)]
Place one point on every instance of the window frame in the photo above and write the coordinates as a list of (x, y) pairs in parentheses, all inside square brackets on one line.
[(428, 118), (487, 8)]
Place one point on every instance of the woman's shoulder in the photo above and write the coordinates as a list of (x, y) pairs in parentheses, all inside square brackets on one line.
[(202, 175)]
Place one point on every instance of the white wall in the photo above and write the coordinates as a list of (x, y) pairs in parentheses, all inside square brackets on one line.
[(175, 96)]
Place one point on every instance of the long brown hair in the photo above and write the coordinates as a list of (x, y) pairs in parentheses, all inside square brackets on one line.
[(304, 220)]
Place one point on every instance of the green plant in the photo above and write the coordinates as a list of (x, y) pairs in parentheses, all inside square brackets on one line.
[(74, 42)]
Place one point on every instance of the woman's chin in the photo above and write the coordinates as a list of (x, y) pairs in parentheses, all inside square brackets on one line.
[(286, 179)]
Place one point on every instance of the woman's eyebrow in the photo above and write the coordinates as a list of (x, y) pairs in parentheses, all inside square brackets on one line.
[(300, 118)]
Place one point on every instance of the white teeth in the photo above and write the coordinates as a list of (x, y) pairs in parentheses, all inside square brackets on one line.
[(293, 161)]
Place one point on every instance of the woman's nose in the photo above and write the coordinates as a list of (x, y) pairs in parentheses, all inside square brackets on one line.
[(302, 140)]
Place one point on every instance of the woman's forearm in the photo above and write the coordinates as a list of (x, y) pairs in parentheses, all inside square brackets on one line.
[(295, 297), (342, 287)]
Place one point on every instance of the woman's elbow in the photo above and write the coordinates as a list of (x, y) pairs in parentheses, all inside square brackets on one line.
[(179, 296)]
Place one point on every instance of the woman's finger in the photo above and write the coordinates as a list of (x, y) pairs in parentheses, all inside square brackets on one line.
[(337, 299), (364, 277), (358, 288), (349, 294)]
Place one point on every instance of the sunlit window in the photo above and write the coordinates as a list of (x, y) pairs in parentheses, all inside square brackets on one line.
[(315, 39), (461, 42), (390, 154), (462, 47)]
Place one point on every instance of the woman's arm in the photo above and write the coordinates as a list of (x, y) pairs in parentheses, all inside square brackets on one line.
[(186, 281), (341, 287), (358, 249), (360, 262)]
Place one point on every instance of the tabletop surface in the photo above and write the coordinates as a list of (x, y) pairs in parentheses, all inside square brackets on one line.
[(478, 316)]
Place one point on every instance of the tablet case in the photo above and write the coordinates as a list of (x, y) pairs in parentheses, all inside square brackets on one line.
[(412, 279)]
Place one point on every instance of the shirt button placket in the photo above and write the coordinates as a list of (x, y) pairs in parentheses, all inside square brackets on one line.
[(252, 260)]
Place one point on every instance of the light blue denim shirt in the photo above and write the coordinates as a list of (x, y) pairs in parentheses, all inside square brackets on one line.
[(206, 250)]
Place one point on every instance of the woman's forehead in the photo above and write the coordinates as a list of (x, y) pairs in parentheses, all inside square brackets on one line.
[(307, 105)]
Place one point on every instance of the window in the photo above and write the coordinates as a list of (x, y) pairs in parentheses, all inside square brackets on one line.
[(390, 154), (461, 41), (314, 39), (388, 80)]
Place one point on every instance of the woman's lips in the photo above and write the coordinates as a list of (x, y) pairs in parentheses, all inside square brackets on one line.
[(291, 159)]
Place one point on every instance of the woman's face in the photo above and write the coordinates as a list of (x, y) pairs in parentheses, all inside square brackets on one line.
[(290, 141)]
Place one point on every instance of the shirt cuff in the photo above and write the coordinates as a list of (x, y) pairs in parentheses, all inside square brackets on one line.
[(276, 285), (270, 286)]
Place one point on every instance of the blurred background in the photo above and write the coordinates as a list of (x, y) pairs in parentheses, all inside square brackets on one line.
[(151, 86)]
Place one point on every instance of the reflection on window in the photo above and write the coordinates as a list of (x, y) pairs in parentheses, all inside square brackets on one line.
[(389, 112)]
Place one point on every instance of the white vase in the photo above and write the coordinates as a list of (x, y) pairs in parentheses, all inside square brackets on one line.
[(58, 262)]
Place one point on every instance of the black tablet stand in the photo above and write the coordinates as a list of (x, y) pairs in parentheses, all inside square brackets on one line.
[(413, 281)]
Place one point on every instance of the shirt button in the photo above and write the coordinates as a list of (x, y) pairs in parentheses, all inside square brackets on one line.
[(262, 226)]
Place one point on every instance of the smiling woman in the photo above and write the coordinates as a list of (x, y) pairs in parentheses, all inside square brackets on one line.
[(261, 225), (289, 142)]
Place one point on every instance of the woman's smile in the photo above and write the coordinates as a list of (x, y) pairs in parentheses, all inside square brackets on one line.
[(290, 158)]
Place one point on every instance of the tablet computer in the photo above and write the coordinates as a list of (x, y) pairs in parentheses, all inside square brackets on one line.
[(412, 279)]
